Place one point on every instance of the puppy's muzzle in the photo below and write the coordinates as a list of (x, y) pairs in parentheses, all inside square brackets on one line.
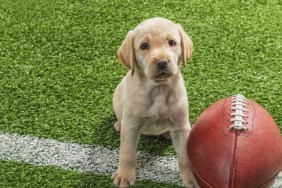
[(162, 65), (162, 69)]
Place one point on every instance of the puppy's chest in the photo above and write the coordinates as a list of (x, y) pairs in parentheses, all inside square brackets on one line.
[(158, 105), (159, 102)]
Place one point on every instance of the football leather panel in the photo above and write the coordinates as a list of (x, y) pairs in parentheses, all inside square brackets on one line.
[(207, 144), (257, 156)]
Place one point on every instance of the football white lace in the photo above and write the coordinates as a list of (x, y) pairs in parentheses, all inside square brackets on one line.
[(238, 106)]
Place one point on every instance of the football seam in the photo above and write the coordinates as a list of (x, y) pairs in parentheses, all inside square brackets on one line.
[(202, 180), (222, 121), (232, 174)]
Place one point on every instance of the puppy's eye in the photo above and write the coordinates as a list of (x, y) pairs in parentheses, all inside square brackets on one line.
[(171, 43), (144, 46)]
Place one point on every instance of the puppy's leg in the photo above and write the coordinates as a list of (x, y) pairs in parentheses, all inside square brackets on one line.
[(118, 106), (179, 138), (129, 137), (117, 126)]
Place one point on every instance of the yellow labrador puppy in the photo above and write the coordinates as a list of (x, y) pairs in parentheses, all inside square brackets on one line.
[(151, 99)]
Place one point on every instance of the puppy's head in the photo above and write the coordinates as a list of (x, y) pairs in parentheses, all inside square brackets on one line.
[(155, 48)]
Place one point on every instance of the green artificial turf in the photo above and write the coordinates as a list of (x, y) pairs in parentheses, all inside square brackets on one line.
[(17, 175), (59, 66), (59, 69)]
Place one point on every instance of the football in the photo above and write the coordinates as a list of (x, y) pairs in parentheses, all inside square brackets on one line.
[(235, 143)]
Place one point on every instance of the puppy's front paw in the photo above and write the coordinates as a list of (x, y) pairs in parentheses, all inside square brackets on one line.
[(124, 179), (190, 183), (188, 179)]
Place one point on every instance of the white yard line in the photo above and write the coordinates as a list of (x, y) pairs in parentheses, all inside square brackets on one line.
[(87, 158)]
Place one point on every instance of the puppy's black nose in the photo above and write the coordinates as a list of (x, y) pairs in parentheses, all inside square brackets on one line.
[(162, 64)]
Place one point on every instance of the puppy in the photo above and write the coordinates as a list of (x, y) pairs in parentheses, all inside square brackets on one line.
[(151, 99)]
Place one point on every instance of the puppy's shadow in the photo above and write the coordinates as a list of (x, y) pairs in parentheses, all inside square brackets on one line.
[(105, 135), (156, 145)]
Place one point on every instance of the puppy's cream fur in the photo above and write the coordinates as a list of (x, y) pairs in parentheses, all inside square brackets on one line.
[(151, 99)]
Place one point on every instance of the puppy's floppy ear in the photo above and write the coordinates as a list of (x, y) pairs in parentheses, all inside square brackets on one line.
[(126, 52), (186, 46)]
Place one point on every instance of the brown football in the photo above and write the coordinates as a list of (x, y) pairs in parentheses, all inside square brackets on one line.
[(235, 143)]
